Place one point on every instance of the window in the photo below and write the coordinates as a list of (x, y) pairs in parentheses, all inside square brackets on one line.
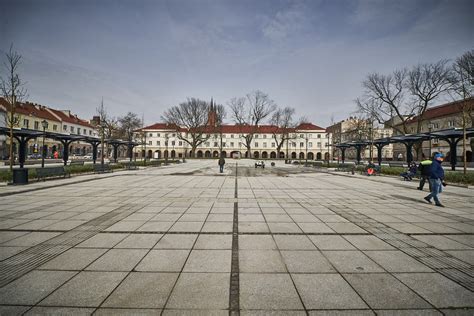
[(256, 145), (55, 127), (319, 135), (173, 143), (85, 132), (158, 135), (216, 144), (223, 144), (293, 144), (264, 136), (64, 127), (256, 136), (150, 135), (264, 145), (273, 145), (90, 132), (36, 125), (231, 144), (72, 129), (450, 123), (231, 135), (208, 144), (157, 143), (26, 123), (310, 144), (180, 143), (309, 135), (319, 144), (301, 135), (150, 142), (173, 135), (301, 144)]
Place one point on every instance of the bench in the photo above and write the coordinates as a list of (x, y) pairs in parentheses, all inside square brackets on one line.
[(154, 163), (77, 163), (344, 167), (399, 164), (260, 164), (43, 173), (98, 168), (130, 166), (318, 164)]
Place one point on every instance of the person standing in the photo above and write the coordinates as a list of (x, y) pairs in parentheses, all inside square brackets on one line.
[(424, 168), (436, 180), (221, 164)]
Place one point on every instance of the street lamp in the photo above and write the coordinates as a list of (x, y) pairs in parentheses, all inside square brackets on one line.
[(430, 128), (166, 151), (44, 123), (370, 139), (329, 144)]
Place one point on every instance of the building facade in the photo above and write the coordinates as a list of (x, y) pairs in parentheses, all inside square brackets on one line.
[(356, 129), (306, 141), (445, 116), (39, 117)]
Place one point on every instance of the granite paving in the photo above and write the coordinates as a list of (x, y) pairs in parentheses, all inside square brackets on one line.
[(186, 240)]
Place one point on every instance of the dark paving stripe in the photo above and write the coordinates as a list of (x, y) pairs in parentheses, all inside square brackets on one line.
[(438, 260), (33, 257), (234, 293)]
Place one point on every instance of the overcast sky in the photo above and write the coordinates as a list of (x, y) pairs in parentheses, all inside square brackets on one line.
[(145, 56)]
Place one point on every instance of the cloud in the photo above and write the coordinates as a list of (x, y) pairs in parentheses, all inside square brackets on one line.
[(287, 22)]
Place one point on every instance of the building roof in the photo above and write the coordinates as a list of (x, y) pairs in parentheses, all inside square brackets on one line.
[(44, 112), (309, 127), (68, 117), (240, 129), (30, 109), (444, 110)]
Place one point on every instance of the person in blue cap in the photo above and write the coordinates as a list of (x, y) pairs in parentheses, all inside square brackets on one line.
[(436, 179)]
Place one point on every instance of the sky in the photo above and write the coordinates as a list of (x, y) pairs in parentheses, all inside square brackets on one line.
[(145, 56)]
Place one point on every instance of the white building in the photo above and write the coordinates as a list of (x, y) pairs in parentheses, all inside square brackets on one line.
[(305, 141)]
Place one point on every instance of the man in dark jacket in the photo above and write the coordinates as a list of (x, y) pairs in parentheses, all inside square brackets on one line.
[(221, 164), (424, 168), (436, 179)]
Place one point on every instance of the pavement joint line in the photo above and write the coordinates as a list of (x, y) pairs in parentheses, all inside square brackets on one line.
[(234, 290)]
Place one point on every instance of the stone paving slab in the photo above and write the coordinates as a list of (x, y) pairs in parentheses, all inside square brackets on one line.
[(185, 240)]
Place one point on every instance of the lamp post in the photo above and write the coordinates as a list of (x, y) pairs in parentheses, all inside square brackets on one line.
[(329, 146), (370, 139), (306, 138), (44, 123), (430, 127), (166, 151), (102, 127)]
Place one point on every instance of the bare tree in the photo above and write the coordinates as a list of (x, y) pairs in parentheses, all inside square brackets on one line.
[(108, 129), (463, 85), (283, 121), (189, 119), (13, 90), (384, 100), (128, 124), (219, 114), (249, 112)]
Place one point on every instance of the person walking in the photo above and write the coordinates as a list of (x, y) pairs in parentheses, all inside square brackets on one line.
[(424, 168), (436, 180), (221, 164)]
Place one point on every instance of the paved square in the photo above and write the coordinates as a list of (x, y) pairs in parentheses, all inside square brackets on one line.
[(186, 240)]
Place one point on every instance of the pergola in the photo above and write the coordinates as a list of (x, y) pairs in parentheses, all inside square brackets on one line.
[(24, 135), (453, 136), (410, 140), (342, 147), (358, 145), (116, 143), (380, 144)]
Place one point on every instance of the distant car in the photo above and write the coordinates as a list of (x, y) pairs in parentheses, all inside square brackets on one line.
[(34, 156), (88, 156)]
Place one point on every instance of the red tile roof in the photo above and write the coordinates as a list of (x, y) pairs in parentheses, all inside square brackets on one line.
[(444, 110), (240, 129), (30, 109), (67, 117), (309, 127)]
